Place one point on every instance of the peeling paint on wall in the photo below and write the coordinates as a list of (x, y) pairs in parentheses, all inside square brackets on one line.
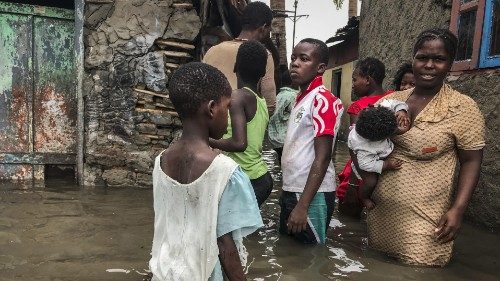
[(37, 90)]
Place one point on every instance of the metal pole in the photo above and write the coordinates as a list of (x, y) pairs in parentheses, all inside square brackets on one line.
[(79, 53), (294, 21)]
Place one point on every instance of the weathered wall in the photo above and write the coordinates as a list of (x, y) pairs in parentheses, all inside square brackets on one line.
[(131, 48), (345, 93), (388, 30)]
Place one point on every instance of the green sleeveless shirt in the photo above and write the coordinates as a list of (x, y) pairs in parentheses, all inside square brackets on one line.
[(251, 160)]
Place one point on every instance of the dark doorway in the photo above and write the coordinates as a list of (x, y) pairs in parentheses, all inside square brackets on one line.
[(336, 82)]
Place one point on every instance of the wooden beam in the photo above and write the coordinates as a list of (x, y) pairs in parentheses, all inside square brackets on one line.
[(179, 45), (176, 54), (151, 93), (187, 6)]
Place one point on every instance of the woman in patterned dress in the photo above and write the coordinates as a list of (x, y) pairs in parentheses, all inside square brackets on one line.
[(415, 219)]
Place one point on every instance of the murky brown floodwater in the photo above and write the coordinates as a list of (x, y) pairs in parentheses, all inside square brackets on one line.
[(60, 232)]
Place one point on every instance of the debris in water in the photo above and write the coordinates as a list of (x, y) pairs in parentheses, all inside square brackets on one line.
[(118, 270)]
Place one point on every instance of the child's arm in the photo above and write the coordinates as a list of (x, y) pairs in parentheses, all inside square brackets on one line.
[(401, 111), (403, 120), (394, 105), (392, 164), (229, 258), (297, 221), (370, 162), (238, 140)]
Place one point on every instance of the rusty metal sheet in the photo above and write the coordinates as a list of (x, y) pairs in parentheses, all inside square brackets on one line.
[(15, 83), (55, 102), (50, 12), (16, 172), (38, 158)]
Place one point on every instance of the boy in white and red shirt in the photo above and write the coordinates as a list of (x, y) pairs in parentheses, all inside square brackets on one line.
[(308, 194)]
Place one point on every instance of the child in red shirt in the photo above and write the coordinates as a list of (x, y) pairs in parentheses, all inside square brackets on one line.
[(367, 80)]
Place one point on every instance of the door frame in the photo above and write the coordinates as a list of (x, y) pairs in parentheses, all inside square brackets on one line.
[(78, 18)]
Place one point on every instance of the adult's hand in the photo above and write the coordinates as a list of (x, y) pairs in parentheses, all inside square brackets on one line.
[(468, 175), (297, 221), (448, 226)]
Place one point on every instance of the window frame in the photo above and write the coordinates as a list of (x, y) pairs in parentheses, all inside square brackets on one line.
[(485, 60), (456, 10)]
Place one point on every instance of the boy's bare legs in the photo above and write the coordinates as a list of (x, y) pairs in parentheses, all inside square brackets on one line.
[(366, 189), (370, 181)]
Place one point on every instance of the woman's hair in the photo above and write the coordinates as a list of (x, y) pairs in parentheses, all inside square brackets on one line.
[(376, 123), (255, 15), (449, 39), (195, 83), (403, 69), (251, 61), (372, 67)]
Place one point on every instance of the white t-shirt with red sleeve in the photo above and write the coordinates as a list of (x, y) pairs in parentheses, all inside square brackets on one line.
[(317, 112)]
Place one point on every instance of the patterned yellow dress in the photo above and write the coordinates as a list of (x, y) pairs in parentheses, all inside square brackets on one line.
[(410, 201)]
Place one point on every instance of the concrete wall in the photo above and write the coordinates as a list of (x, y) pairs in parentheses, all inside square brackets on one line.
[(345, 92), (131, 48), (388, 29)]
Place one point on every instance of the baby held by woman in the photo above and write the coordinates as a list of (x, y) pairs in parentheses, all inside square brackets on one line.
[(370, 145)]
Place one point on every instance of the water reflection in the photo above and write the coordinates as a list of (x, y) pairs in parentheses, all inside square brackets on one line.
[(346, 254), (60, 232)]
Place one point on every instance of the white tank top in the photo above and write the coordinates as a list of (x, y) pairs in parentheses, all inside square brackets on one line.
[(185, 239)]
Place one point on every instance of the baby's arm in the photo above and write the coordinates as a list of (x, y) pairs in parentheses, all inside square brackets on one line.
[(229, 258), (403, 120), (369, 162), (392, 164), (394, 105), (401, 111)]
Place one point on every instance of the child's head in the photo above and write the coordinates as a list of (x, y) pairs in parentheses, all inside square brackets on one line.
[(200, 91), (368, 73), (376, 123), (404, 78), (257, 16), (251, 61), (309, 59)]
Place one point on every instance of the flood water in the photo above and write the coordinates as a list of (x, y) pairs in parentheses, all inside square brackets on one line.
[(60, 232)]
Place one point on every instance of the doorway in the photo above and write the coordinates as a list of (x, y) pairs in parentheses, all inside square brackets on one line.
[(38, 103)]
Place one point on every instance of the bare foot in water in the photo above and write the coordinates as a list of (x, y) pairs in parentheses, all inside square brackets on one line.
[(368, 203)]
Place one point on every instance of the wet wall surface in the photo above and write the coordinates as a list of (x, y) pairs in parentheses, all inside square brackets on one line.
[(60, 232)]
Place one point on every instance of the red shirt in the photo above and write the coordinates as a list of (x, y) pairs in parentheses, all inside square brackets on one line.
[(354, 109), (326, 108), (364, 102)]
